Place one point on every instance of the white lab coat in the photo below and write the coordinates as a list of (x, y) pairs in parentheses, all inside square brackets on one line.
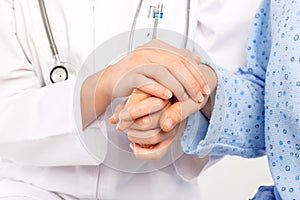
[(39, 140)]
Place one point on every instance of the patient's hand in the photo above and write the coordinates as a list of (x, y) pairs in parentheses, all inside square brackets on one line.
[(140, 115), (152, 123)]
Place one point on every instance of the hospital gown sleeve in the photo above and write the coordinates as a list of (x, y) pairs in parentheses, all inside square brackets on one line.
[(237, 123), (36, 121)]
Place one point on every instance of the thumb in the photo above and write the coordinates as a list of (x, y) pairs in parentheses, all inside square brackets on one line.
[(178, 112)]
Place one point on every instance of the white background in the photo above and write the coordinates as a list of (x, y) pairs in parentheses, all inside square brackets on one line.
[(234, 178)]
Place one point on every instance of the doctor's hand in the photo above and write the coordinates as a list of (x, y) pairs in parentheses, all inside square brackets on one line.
[(159, 69), (155, 68), (141, 106)]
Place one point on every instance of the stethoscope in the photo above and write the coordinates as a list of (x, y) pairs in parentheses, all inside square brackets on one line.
[(61, 72)]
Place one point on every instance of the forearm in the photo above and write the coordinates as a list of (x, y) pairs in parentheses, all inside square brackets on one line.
[(94, 98), (236, 123)]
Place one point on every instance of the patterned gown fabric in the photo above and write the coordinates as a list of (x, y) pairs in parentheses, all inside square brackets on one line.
[(257, 111)]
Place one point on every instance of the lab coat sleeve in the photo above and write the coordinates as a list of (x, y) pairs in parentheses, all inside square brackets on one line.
[(36, 122), (237, 123)]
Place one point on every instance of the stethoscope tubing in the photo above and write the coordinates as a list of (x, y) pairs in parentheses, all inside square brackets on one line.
[(131, 37), (48, 28), (136, 16), (187, 23), (186, 31)]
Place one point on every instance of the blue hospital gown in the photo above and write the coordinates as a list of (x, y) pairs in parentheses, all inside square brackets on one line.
[(258, 111)]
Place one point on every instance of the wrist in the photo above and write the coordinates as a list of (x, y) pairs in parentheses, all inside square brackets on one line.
[(211, 79), (209, 75), (105, 84), (208, 107), (94, 98)]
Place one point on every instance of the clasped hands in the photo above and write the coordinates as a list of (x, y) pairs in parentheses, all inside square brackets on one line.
[(175, 85)]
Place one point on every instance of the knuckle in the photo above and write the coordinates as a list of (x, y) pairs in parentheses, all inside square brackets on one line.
[(137, 110), (159, 70), (177, 64), (198, 59), (132, 110), (158, 103), (143, 124), (135, 81), (186, 52), (145, 121), (135, 55), (181, 92)]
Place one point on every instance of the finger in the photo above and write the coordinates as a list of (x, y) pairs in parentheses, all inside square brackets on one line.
[(124, 124), (193, 68), (177, 112), (137, 96), (142, 108), (191, 64), (153, 87), (148, 106), (180, 69), (153, 152), (114, 118), (147, 122), (157, 90), (149, 137), (171, 59), (190, 56), (137, 78), (159, 74), (190, 84), (135, 115)]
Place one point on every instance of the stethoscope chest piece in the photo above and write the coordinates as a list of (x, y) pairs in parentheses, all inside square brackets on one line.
[(58, 74), (63, 71)]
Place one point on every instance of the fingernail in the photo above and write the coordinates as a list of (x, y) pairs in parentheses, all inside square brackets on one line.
[(206, 90), (168, 94), (112, 120), (131, 147), (200, 97), (118, 127), (168, 125)]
